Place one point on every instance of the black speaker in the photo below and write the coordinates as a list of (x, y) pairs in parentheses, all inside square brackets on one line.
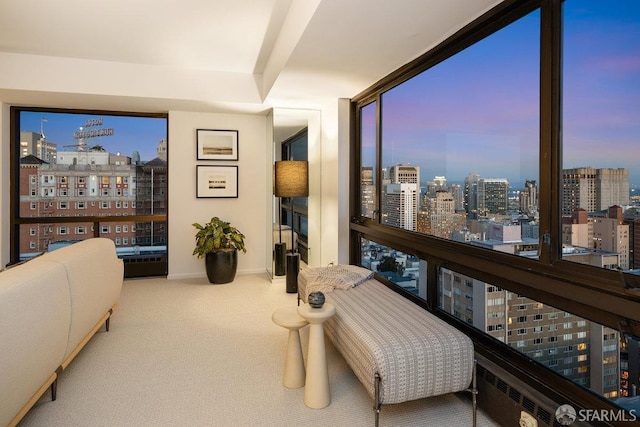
[(280, 268), (293, 267)]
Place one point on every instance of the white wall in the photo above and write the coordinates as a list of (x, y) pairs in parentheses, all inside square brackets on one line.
[(314, 201), (4, 185), (334, 216), (249, 212), (269, 198)]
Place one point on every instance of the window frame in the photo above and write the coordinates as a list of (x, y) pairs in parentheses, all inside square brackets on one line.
[(589, 292), (17, 220), (600, 293)]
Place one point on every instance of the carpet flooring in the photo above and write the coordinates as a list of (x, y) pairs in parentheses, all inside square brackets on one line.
[(188, 353)]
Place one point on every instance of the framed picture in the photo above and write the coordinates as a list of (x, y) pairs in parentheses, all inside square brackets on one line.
[(217, 144), (216, 181)]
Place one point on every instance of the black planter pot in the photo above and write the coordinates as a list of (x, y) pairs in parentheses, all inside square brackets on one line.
[(221, 266)]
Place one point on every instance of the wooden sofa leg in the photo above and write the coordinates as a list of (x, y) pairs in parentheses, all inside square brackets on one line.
[(54, 389), (106, 322), (54, 385), (378, 403)]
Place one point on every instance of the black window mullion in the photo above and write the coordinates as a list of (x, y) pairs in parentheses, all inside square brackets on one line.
[(550, 133), (378, 171)]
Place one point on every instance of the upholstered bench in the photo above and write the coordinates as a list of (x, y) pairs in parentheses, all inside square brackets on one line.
[(399, 351)]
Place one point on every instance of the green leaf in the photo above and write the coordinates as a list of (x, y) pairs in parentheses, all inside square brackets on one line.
[(217, 235)]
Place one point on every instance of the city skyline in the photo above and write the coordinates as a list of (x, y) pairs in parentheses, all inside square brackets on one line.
[(141, 134), (479, 110)]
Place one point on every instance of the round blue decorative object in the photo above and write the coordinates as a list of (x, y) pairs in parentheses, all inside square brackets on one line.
[(316, 299)]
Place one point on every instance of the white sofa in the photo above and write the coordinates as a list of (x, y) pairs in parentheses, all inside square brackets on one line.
[(50, 307)]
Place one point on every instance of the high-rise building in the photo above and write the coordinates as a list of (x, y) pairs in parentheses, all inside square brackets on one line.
[(400, 206), (575, 229), (567, 344), (528, 198), (439, 183), (400, 198), (161, 150), (35, 143), (493, 196), (471, 195), (594, 189), (632, 218), (151, 198), (458, 196), (423, 222), (629, 366), (612, 188), (439, 217), (610, 234), (367, 192), (404, 173), (602, 240)]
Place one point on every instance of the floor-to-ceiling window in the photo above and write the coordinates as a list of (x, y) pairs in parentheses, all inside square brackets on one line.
[(368, 164), (82, 174), (601, 133), (497, 184), (460, 144)]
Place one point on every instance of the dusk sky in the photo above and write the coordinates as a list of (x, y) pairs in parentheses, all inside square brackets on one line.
[(130, 133), (479, 110)]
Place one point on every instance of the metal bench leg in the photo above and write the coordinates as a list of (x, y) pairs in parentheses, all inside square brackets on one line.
[(378, 403), (474, 393), (473, 390)]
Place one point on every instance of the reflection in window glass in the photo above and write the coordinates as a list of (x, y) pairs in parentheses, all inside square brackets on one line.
[(368, 167), (601, 110), (297, 148), (405, 271), (587, 353), (460, 144)]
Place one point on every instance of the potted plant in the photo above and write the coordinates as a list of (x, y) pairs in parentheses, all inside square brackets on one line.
[(218, 243)]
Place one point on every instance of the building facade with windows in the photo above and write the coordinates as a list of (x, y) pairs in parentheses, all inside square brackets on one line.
[(594, 189), (35, 143), (557, 339), (73, 189)]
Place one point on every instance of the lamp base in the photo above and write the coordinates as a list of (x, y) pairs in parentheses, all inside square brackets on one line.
[(280, 267), (293, 267)]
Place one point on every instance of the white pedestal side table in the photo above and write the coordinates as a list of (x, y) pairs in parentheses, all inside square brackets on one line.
[(316, 392), (294, 373)]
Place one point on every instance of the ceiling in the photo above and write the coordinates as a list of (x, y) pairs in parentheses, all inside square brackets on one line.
[(212, 55)]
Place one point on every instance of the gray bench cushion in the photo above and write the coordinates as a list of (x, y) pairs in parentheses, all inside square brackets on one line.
[(416, 354)]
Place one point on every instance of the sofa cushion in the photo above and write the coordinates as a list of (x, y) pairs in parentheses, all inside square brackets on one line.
[(34, 328), (95, 280)]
